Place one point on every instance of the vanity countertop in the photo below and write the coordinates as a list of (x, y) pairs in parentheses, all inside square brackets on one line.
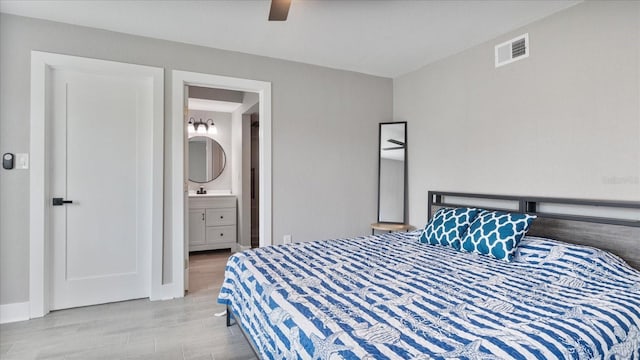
[(210, 194)]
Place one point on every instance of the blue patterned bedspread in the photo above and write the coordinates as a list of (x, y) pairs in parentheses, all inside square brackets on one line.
[(390, 297)]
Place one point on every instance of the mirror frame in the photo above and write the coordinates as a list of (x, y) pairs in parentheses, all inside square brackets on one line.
[(224, 155), (404, 187)]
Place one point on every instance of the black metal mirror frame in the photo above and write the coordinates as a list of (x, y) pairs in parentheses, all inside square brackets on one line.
[(404, 190), (224, 162)]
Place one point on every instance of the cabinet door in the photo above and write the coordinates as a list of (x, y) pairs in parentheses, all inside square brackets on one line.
[(196, 227)]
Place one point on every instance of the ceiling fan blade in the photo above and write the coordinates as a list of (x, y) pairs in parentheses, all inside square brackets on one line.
[(279, 10), (394, 148), (397, 142)]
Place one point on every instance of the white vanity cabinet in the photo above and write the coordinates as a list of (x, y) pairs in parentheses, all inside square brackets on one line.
[(212, 222)]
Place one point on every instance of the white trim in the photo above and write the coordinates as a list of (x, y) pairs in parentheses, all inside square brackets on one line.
[(179, 186), (243, 248), (38, 284), (156, 290), (14, 312), (41, 64)]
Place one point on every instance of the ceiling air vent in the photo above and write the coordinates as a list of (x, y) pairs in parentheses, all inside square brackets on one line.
[(512, 50)]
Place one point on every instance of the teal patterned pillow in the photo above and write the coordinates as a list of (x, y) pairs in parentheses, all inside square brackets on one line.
[(496, 233), (448, 226)]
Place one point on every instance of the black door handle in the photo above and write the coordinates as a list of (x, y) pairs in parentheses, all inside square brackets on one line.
[(61, 201)]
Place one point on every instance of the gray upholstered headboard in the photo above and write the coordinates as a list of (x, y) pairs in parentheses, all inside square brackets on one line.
[(610, 225)]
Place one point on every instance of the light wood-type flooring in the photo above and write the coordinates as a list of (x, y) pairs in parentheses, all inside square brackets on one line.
[(177, 329)]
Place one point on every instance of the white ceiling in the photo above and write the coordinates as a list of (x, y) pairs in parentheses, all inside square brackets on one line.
[(385, 38)]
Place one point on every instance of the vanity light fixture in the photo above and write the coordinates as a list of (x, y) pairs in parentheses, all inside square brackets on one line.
[(202, 127), (191, 128), (212, 128)]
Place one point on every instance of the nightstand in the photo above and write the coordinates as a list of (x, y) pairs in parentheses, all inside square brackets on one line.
[(390, 227)]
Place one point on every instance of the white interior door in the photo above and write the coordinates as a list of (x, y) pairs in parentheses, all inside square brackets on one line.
[(101, 159), (185, 188)]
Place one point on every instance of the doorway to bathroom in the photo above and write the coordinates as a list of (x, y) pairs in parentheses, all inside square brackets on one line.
[(216, 207), (222, 172)]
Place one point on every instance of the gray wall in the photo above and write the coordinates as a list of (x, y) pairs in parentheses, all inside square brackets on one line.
[(564, 122), (215, 94), (324, 132), (241, 171)]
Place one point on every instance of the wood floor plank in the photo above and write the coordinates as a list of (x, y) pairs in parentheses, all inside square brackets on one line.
[(179, 329)]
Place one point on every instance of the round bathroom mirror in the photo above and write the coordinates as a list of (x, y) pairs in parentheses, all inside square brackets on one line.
[(206, 159)]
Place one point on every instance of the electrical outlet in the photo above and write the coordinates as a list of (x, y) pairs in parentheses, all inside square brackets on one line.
[(286, 239)]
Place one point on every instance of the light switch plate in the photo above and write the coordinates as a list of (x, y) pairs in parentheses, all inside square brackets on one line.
[(286, 239), (22, 161)]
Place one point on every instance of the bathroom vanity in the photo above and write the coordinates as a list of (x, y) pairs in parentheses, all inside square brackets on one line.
[(212, 222)]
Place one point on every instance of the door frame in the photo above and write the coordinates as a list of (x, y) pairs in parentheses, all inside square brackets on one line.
[(180, 187), (39, 240)]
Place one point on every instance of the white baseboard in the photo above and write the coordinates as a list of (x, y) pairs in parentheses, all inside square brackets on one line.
[(14, 312), (242, 247), (166, 292)]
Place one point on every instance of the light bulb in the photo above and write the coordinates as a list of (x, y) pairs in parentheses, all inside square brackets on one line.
[(202, 129), (191, 129), (213, 129)]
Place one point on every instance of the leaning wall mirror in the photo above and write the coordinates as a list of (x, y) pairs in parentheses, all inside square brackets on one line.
[(206, 159), (392, 171)]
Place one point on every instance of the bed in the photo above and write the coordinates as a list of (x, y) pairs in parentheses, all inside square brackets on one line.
[(391, 297)]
